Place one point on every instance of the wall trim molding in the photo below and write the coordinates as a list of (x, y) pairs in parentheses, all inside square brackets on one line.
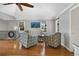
[(65, 10), (66, 47), (74, 7)]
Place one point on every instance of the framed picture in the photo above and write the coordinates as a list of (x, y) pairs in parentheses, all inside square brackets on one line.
[(35, 24), (21, 26)]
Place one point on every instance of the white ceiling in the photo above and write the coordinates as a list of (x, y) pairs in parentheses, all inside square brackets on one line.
[(40, 11)]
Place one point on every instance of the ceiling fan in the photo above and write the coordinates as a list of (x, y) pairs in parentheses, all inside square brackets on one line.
[(20, 5)]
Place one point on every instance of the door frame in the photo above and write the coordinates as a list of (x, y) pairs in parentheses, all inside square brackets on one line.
[(73, 8)]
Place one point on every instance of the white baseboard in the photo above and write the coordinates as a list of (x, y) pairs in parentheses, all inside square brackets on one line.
[(66, 47)]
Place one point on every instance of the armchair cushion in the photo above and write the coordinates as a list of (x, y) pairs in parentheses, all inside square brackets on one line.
[(55, 39), (27, 40)]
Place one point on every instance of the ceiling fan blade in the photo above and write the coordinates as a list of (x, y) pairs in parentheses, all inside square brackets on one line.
[(27, 5), (19, 6), (7, 3)]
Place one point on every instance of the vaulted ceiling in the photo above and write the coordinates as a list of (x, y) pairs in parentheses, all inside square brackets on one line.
[(40, 11)]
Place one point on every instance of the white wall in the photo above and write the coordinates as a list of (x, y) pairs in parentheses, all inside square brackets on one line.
[(15, 23), (64, 24), (34, 31), (11, 24), (65, 29), (50, 27), (5, 16), (3, 25)]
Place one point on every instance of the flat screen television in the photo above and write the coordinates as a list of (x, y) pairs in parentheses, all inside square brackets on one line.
[(35, 24)]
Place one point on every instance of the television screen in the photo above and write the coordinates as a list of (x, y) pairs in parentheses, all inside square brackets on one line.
[(35, 24)]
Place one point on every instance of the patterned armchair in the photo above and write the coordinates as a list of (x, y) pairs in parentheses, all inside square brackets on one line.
[(54, 40), (26, 40)]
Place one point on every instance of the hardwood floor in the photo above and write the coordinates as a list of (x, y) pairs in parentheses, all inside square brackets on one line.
[(10, 48)]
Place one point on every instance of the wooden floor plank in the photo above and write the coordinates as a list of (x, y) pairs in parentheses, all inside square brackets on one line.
[(10, 48)]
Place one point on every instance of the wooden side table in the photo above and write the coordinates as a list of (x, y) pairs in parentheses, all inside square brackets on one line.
[(46, 40), (40, 38), (43, 39)]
